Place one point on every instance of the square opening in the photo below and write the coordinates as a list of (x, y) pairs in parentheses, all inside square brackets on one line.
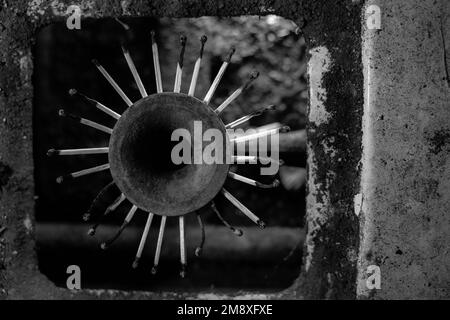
[(261, 260)]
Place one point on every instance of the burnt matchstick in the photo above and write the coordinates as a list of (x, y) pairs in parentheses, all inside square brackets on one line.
[(95, 103), (123, 24), (74, 152), (260, 134), (179, 72), (237, 92), (99, 199), (105, 245), (148, 223), (159, 244), (182, 247), (156, 65), (83, 172), (218, 77), (197, 67), (134, 71), (199, 249), (252, 182), (255, 159), (246, 118), (112, 82), (84, 121), (243, 209), (109, 209), (236, 231)]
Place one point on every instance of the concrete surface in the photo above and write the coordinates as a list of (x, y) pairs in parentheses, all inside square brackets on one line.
[(405, 189)]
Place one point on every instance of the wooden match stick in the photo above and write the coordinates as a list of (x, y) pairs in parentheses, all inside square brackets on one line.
[(254, 159), (197, 67), (134, 72), (143, 239), (110, 208), (236, 231), (84, 121), (83, 172), (252, 182), (219, 75), (159, 244), (199, 249), (182, 247), (237, 92), (112, 82), (243, 209), (244, 119), (105, 245), (260, 134), (159, 87), (179, 72), (72, 152), (95, 103)]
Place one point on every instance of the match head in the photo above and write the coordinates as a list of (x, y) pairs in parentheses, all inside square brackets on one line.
[(285, 129), (183, 40), (60, 179), (183, 271), (230, 54), (153, 36), (135, 263), (261, 224), (91, 232), (103, 246), (61, 113), (198, 252), (154, 269), (254, 75), (73, 91), (51, 152), (203, 39), (237, 232), (86, 216), (95, 61)]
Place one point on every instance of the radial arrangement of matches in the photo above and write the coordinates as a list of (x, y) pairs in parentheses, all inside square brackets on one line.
[(98, 216)]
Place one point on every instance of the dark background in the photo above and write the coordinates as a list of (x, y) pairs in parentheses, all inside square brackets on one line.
[(262, 259)]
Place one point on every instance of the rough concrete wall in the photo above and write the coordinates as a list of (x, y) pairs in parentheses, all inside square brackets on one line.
[(334, 145), (406, 165)]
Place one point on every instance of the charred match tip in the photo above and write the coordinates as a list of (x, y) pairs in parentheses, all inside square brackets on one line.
[(183, 40), (237, 232), (60, 179), (95, 61), (86, 216), (153, 36), (183, 271), (73, 91), (230, 54), (51, 152), (135, 263), (154, 269), (251, 78), (274, 184), (198, 252), (285, 129), (103, 246), (203, 39), (261, 224), (281, 162), (61, 113), (91, 232)]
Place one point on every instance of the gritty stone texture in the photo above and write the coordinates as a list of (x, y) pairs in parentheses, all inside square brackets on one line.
[(406, 165), (334, 26)]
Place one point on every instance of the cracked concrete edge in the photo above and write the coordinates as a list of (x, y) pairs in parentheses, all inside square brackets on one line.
[(406, 159)]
